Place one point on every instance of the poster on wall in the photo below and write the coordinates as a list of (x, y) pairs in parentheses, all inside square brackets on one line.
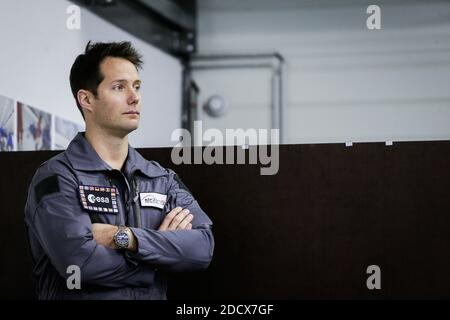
[(6, 124), (33, 128), (65, 131)]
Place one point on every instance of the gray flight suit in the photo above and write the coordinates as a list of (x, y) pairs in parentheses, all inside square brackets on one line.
[(59, 221)]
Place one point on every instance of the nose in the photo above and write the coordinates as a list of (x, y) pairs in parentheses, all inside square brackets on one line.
[(133, 96)]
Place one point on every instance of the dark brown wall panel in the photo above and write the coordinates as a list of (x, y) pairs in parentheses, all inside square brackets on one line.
[(308, 232)]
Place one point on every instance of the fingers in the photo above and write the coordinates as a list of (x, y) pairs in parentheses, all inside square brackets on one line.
[(168, 219), (186, 221), (177, 219)]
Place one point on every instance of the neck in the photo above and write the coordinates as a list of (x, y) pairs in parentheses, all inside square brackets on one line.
[(112, 148)]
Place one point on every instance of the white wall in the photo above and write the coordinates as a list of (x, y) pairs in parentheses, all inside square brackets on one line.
[(344, 82), (37, 52)]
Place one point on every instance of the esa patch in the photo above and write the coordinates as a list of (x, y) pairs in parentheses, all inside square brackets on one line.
[(99, 199)]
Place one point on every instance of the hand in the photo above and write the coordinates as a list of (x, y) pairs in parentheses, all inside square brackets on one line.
[(104, 233), (177, 219)]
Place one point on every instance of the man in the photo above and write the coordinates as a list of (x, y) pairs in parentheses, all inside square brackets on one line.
[(101, 207)]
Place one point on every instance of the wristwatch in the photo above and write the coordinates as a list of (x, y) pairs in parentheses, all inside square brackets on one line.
[(122, 238)]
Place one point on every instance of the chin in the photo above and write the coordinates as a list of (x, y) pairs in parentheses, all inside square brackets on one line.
[(126, 129), (131, 128)]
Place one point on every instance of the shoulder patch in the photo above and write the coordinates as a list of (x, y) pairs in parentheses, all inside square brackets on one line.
[(47, 186), (182, 185)]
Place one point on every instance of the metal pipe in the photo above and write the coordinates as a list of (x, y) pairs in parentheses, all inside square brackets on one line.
[(214, 57), (282, 96), (278, 90), (275, 101), (232, 66)]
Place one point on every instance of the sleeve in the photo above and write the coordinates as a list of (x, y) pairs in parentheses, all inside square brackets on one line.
[(178, 250), (64, 231)]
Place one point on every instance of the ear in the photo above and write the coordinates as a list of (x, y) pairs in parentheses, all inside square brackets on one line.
[(85, 99)]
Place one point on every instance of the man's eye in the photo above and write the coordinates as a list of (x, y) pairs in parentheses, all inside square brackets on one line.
[(118, 87), (138, 88)]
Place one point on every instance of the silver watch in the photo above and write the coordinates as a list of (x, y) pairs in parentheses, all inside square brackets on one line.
[(122, 238)]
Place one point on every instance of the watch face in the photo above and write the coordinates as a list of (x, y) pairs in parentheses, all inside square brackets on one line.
[(122, 239)]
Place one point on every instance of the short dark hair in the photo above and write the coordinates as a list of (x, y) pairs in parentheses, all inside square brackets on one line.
[(85, 72)]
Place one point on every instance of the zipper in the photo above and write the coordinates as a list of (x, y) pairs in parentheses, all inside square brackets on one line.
[(136, 206), (129, 200), (120, 220), (128, 196)]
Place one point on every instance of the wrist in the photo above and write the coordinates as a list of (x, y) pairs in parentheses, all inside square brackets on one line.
[(113, 235), (132, 244)]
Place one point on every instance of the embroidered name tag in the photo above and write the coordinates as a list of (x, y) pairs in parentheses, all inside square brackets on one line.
[(99, 199), (152, 199)]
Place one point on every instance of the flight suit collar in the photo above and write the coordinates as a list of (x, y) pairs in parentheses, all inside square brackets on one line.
[(82, 156), (135, 161)]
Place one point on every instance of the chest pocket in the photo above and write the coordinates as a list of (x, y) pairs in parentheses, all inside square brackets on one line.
[(152, 217)]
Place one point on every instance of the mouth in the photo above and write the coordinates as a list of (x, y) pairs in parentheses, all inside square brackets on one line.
[(132, 112)]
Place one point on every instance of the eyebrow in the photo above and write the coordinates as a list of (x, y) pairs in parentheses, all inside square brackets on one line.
[(124, 80)]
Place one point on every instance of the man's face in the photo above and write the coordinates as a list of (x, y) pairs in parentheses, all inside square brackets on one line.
[(118, 103)]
